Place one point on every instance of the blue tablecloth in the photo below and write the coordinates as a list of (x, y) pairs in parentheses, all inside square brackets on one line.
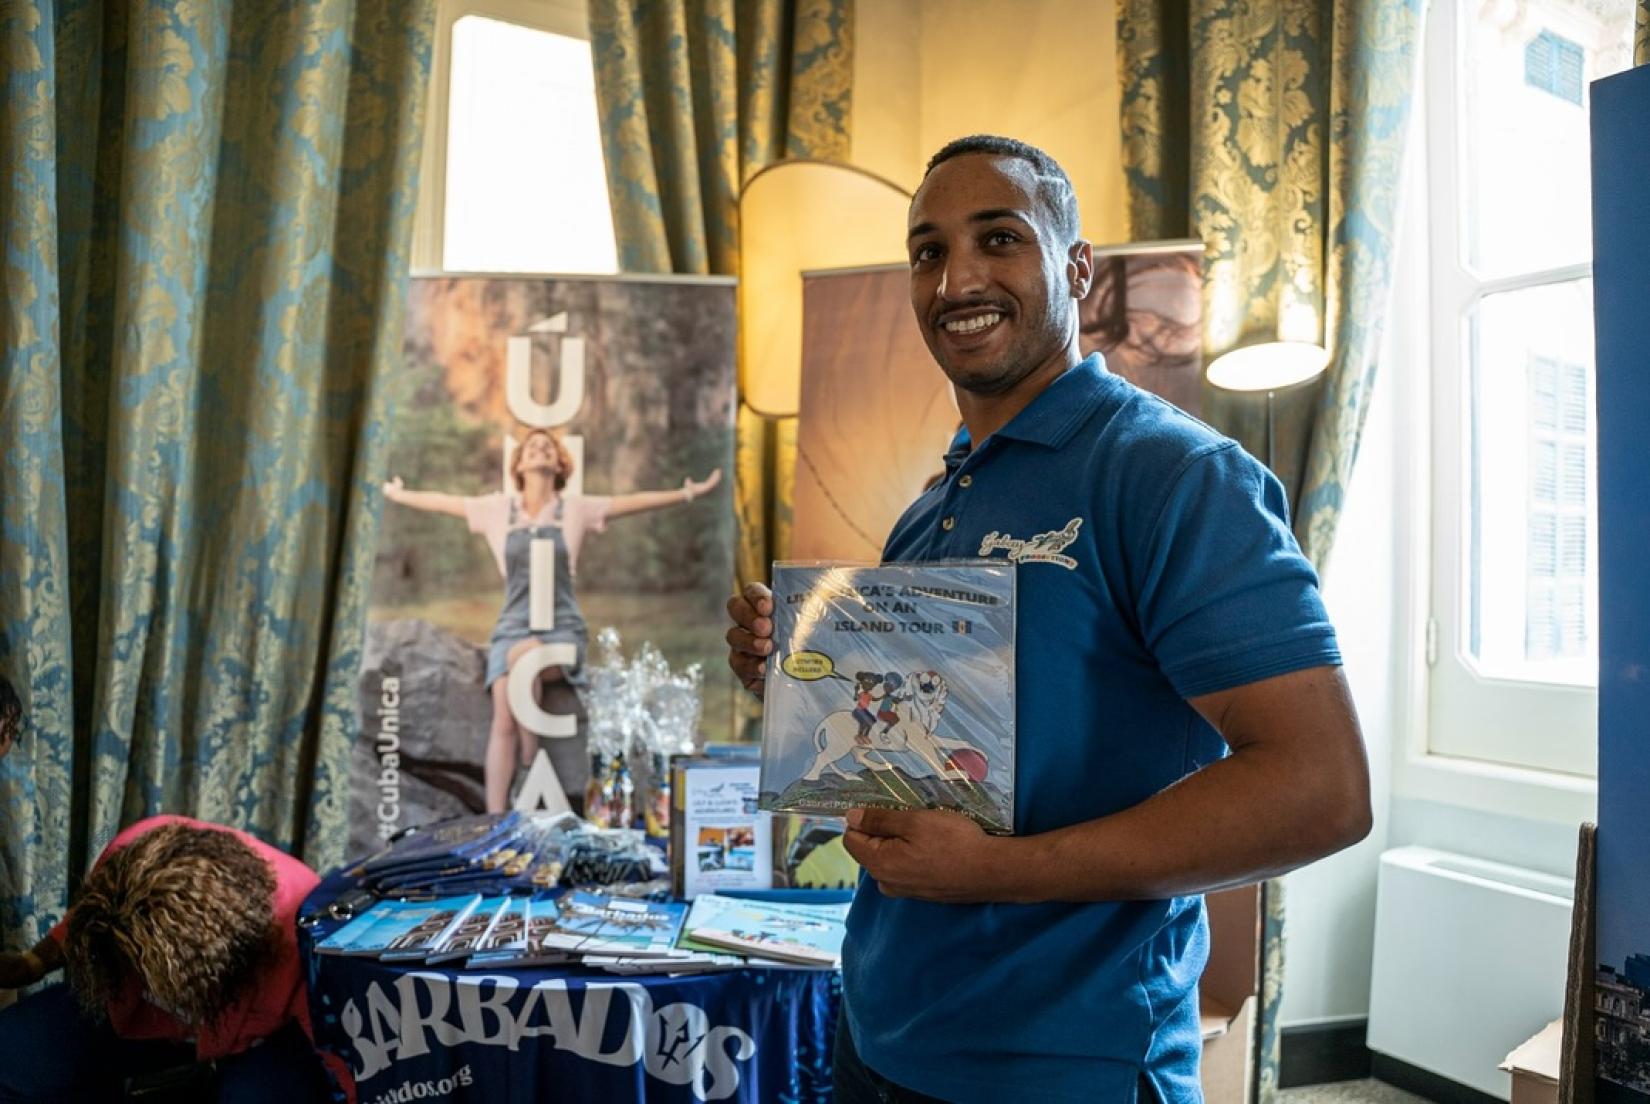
[(415, 1032)]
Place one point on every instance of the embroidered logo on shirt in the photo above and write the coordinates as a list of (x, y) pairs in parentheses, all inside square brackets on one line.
[(1043, 548)]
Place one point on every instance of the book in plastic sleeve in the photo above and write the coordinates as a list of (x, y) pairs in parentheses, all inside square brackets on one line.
[(443, 843), (892, 687)]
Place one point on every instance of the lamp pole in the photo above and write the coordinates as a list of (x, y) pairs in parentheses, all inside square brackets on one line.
[(1268, 367)]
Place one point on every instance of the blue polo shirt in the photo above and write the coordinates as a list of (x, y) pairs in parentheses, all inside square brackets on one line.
[(1182, 579)]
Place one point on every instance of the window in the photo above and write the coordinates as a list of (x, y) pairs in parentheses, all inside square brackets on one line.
[(513, 178), (1554, 65), (1513, 640)]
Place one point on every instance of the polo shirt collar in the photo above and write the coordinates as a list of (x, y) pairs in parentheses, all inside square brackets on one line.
[(1064, 405)]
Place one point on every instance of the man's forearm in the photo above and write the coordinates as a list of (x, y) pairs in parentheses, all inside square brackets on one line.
[(1248, 817)]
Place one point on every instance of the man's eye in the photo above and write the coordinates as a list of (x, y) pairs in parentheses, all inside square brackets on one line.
[(1001, 237), (924, 253)]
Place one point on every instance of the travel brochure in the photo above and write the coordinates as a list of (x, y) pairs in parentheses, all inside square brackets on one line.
[(616, 934), (720, 840)]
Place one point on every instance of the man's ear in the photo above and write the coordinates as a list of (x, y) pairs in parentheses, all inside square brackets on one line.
[(1080, 268)]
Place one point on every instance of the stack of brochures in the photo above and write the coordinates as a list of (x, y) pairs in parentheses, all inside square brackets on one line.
[(618, 934)]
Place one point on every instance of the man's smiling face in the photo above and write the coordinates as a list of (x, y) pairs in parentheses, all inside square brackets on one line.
[(988, 274)]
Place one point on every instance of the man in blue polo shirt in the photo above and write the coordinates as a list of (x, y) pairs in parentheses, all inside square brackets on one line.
[(1182, 722)]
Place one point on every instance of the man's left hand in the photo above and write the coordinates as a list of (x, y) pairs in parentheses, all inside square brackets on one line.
[(929, 855)]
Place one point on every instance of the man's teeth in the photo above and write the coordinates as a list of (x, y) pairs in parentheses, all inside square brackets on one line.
[(973, 325)]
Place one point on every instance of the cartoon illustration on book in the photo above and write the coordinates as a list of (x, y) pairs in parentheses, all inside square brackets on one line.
[(926, 720), (907, 719)]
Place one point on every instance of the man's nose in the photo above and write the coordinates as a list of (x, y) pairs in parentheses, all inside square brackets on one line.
[(964, 276)]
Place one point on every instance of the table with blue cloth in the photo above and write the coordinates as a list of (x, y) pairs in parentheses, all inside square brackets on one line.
[(410, 1031)]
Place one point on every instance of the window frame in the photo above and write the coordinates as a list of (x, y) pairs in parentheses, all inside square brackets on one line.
[(1429, 352), (562, 17)]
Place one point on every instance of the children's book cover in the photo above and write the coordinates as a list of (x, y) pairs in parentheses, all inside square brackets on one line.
[(810, 934), (893, 687)]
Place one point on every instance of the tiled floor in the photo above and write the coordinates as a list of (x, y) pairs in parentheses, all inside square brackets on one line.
[(1348, 1092)]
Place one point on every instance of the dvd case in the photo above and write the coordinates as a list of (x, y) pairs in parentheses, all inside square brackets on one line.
[(892, 687)]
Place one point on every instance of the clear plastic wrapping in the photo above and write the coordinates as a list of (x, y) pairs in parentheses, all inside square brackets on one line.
[(892, 687)]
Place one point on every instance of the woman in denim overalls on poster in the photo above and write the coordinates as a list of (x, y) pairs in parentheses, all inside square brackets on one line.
[(540, 509)]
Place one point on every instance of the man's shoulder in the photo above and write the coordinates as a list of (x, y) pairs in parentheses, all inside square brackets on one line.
[(1137, 448), (1139, 425)]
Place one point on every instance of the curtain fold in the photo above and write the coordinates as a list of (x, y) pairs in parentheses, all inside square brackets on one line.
[(209, 210), (695, 96), (1275, 133)]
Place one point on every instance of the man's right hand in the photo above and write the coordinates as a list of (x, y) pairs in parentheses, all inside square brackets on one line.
[(750, 641), (18, 970)]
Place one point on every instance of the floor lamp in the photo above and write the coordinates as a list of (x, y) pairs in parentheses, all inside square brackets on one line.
[(1268, 367), (1271, 367)]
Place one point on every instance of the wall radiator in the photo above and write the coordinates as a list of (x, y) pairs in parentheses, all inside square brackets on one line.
[(1469, 962)]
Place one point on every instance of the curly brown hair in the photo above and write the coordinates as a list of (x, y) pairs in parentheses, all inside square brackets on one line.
[(189, 910)]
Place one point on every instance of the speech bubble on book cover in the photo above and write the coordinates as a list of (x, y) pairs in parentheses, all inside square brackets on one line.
[(809, 666)]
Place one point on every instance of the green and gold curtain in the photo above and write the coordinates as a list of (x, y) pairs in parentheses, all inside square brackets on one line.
[(695, 96), (1275, 133), (1641, 34), (207, 209)]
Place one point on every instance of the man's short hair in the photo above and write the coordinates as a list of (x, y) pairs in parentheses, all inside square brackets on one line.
[(1053, 185)]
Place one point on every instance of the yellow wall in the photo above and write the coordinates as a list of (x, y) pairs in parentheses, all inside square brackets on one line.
[(1045, 71), (887, 135)]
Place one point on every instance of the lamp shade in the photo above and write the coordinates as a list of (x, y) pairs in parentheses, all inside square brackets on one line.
[(1269, 366), (797, 216)]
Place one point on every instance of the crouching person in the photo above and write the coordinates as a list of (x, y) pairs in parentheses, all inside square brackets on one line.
[(183, 977)]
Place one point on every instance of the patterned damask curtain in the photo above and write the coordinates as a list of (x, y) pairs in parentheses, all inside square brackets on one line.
[(1641, 34), (1275, 133), (695, 96), (207, 210)]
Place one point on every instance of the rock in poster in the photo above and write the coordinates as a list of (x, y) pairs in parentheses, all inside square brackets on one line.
[(892, 687)]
